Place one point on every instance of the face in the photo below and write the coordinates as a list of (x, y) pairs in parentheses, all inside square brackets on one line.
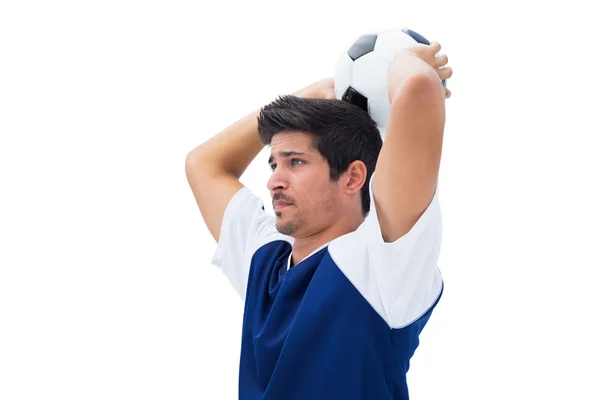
[(300, 177)]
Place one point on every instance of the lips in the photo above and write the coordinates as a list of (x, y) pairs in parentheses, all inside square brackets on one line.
[(278, 205)]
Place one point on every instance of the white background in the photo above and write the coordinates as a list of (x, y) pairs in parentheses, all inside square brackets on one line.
[(106, 290)]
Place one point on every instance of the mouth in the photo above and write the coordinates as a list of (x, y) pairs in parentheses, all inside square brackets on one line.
[(279, 206)]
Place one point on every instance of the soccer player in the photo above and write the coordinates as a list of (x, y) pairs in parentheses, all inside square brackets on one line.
[(339, 283)]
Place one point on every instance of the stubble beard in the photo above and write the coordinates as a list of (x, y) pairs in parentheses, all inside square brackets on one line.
[(288, 226)]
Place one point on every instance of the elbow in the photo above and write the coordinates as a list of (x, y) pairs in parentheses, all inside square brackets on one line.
[(190, 160), (194, 162), (197, 156), (198, 163), (422, 88)]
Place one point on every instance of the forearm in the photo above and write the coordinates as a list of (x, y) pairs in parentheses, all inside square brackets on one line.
[(232, 150)]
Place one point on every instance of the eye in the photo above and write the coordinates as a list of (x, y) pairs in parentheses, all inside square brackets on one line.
[(293, 160)]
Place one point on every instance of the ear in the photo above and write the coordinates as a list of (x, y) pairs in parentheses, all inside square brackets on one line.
[(355, 177)]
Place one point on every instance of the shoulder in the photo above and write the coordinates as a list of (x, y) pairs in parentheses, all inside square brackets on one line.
[(246, 227), (400, 279)]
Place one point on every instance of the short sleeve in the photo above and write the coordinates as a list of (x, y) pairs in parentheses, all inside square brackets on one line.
[(245, 228), (401, 279)]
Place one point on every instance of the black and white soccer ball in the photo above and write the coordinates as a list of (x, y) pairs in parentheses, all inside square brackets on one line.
[(361, 73)]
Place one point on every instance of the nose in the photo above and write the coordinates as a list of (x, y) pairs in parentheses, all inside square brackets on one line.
[(277, 181)]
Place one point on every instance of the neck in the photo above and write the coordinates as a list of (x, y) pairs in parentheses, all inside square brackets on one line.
[(304, 246)]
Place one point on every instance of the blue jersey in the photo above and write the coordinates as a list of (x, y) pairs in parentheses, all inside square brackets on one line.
[(344, 322)]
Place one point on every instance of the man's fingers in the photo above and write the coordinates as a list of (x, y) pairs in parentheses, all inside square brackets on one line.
[(435, 47), (445, 73), (441, 60)]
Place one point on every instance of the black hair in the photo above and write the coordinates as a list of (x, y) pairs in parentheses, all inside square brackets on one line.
[(342, 133)]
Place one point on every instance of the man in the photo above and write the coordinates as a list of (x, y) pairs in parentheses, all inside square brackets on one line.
[(340, 282)]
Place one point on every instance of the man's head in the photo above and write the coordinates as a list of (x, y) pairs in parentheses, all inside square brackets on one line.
[(338, 144)]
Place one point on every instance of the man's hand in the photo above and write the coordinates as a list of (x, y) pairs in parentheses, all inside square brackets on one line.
[(321, 89), (403, 65)]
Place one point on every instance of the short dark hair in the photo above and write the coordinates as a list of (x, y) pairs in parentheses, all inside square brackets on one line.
[(342, 133)]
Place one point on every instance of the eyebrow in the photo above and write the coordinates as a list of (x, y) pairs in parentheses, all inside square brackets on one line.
[(285, 154)]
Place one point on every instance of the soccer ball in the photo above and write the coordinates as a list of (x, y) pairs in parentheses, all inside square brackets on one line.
[(361, 73)]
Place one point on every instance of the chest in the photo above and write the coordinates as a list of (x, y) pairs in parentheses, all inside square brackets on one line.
[(303, 314)]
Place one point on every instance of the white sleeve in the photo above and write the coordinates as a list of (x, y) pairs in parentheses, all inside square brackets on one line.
[(400, 280), (245, 228)]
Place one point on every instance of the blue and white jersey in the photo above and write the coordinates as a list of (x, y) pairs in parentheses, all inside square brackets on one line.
[(341, 324)]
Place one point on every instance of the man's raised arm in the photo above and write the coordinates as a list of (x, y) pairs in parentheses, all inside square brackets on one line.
[(407, 168), (213, 169)]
